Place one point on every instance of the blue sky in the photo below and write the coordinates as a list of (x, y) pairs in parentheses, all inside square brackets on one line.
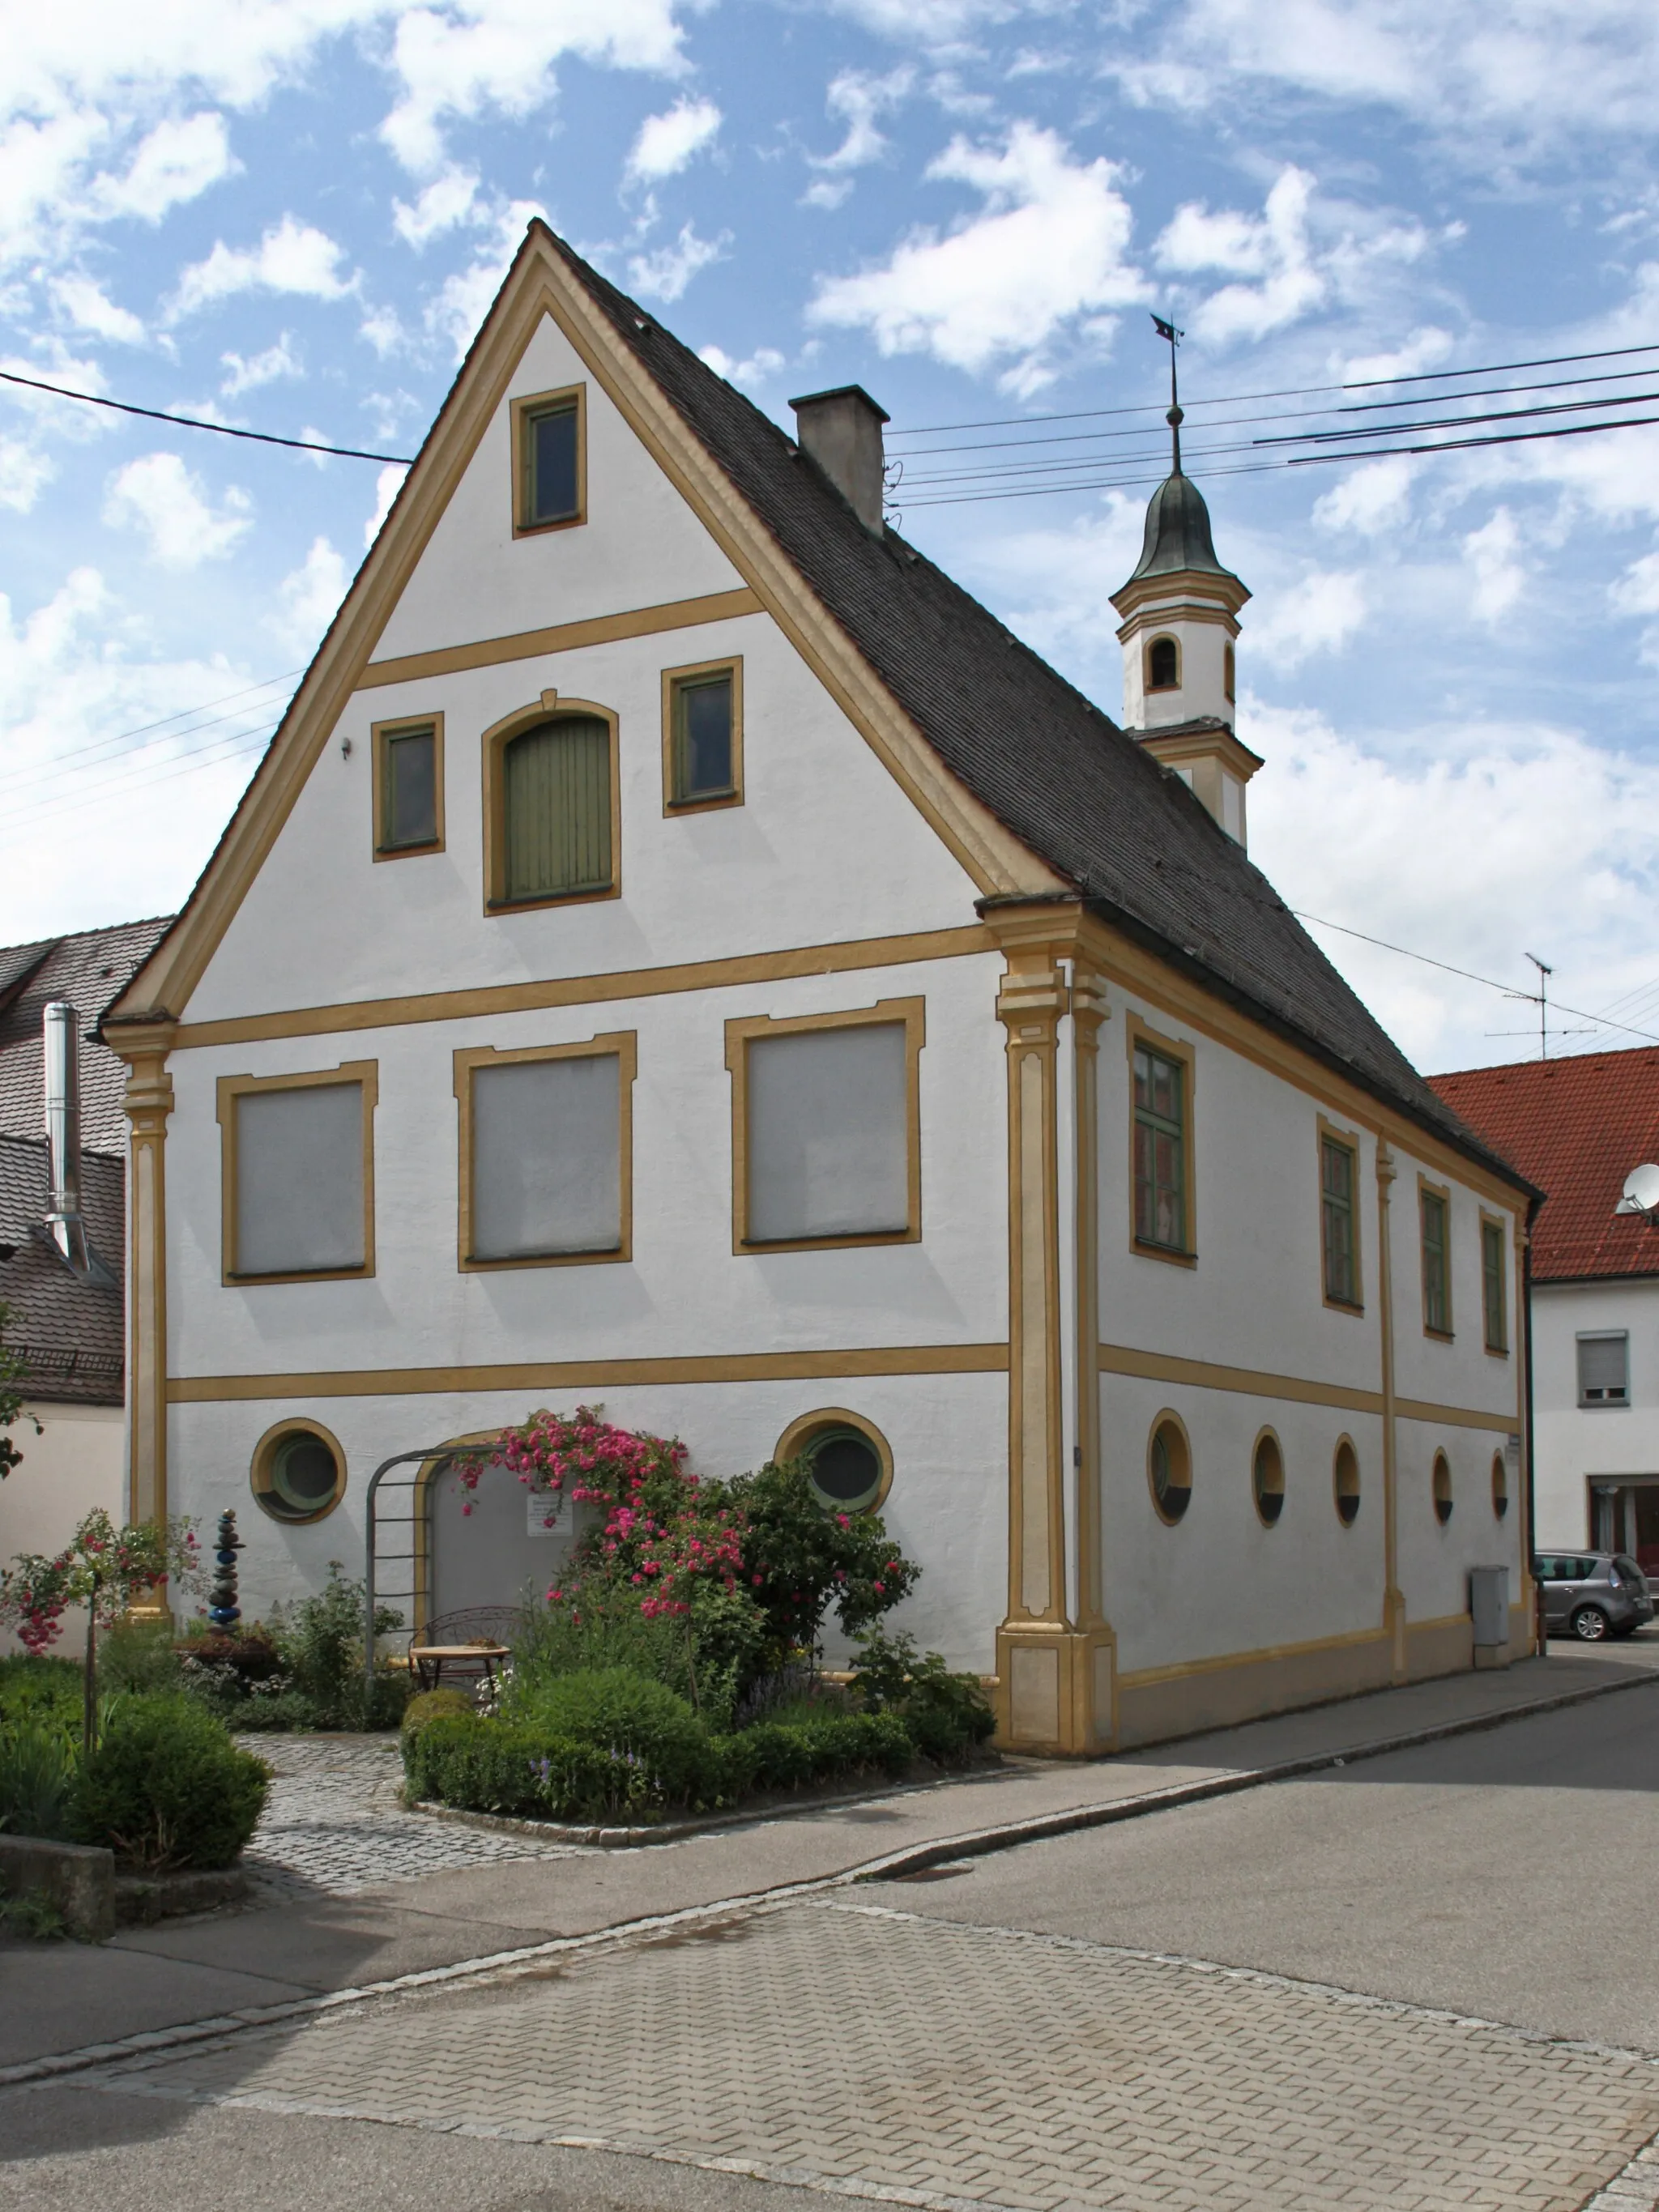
[(291, 215)]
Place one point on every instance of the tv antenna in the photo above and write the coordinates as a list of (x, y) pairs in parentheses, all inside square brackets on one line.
[(1540, 999)]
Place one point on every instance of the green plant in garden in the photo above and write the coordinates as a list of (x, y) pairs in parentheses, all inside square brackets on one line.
[(165, 1787), (625, 1713), (105, 1569), (428, 1705), (139, 1655), (36, 1776), (319, 1641), (13, 1372), (32, 1916), (32, 1686), (946, 1713)]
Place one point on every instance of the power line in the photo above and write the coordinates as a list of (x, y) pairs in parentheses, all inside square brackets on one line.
[(195, 423), (216, 755), (48, 769)]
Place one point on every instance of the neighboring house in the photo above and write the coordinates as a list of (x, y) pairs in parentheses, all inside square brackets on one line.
[(1577, 1128), (65, 1315), (681, 953)]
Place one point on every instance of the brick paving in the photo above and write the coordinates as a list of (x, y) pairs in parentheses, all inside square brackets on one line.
[(871, 2053), (332, 1824)]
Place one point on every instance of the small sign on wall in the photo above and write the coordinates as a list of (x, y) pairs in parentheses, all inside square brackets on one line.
[(541, 1513)]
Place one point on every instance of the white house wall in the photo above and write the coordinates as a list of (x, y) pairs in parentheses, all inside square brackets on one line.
[(1575, 1444)]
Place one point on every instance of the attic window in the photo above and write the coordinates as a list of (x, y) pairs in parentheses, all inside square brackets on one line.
[(549, 461), (702, 736), (409, 787), (1163, 665)]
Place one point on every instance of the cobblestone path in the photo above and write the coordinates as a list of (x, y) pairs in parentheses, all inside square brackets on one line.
[(333, 1823), (873, 2054)]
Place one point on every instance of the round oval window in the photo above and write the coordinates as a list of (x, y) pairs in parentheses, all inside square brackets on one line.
[(301, 1476), (1169, 1468), (1442, 1488), (1500, 1487), (845, 1468), (1267, 1476)]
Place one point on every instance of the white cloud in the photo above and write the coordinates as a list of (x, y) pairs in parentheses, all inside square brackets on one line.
[(1637, 592), (829, 193), (1499, 578), (308, 598), (387, 485), (1375, 497), (500, 55), (463, 299), (449, 200), (291, 257), (278, 361), (1047, 249), (24, 474), (89, 308), (763, 363), (1319, 614), (1425, 348), (383, 329), (667, 144), (178, 162), (1483, 841), (664, 274), (1273, 248), (860, 100), (158, 494)]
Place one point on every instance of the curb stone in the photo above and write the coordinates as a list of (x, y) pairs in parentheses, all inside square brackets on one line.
[(911, 1858)]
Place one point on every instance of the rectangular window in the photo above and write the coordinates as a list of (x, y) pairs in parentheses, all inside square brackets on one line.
[(409, 787), (546, 1153), (702, 736), (557, 814), (826, 1141), (1160, 1086), (549, 463), (298, 1174), (1336, 1195), (1604, 1368), (1494, 1299), (1436, 1260)]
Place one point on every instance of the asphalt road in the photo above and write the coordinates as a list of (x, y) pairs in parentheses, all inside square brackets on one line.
[(1507, 1876)]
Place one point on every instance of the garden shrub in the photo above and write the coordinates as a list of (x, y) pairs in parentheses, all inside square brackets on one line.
[(38, 1774), (319, 1643), (428, 1705), (165, 1787), (34, 1686), (138, 1654), (617, 1710), (515, 1767), (946, 1713)]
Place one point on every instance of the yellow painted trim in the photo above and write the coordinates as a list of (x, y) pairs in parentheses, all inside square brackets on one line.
[(1180, 748), (148, 1102), (1165, 594), (1439, 1624), (1334, 1132), (1261, 1382), (1141, 1678), (672, 678), (1162, 637), (601, 989), (1426, 1189), (742, 1031), (228, 1091), (1457, 1417), (265, 1451), (620, 1045), (492, 748), (801, 1431), (1137, 1030), (379, 735), (1393, 1601), (595, 1374), (561, 637), (1143, 976), (537, 403), (1090, 1008)]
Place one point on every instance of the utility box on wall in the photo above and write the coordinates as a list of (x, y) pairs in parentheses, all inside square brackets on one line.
[(1489, 1610)]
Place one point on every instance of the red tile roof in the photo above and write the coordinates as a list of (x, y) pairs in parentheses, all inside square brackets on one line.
[(1576, 1127)]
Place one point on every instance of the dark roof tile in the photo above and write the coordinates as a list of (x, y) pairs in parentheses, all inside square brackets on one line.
[(89, 969)]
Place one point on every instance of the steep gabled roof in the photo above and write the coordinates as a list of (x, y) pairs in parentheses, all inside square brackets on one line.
[(1044, 795), (1576, 1127), (89, 969), (69, 1332)]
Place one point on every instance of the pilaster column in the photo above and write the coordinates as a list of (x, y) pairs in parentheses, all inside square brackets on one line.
[(1094, 1718), (148, 1102), (1394, 1602)]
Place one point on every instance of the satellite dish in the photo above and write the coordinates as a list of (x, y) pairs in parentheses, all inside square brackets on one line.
[(1641, 1193)]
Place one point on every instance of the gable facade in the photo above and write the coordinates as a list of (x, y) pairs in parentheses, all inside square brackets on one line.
[(987, 1322)]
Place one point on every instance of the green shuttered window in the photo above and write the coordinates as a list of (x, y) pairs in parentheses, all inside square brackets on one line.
[(1160, 1151), (1336, 1182), (1436, 1265), (555, 805), (1494, 1303)]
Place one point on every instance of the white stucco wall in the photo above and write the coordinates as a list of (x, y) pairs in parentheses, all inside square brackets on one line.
[(76, 1464), (1575, 1444)]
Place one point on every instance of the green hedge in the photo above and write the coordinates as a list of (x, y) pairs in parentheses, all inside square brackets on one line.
[(523, 1767), (166, 1786)]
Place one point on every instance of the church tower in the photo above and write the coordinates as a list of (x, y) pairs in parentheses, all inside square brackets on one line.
[(1179, 611)]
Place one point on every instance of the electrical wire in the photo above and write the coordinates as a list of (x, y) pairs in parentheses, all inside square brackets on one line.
[(75, 760), (239, 744), (196, 422)]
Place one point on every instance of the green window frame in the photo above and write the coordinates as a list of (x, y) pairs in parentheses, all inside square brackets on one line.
[(1160, 1107), (410, 762), (1437, 1262), (550, 461), (1338, 1175), (705, 737), (1493, 1297), (557, 819)]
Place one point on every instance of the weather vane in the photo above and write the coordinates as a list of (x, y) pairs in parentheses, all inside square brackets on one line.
[(1174, 418)]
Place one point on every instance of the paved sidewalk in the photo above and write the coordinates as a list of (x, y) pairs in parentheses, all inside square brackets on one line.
[(408, 1922), (860, 2050)]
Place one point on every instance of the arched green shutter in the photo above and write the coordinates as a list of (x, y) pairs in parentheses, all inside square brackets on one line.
[(556, 801)]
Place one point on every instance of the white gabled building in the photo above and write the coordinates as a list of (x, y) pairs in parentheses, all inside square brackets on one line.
[(680, 951)]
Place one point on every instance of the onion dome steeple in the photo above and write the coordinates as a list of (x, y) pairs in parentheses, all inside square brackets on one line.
[(1180, 617)]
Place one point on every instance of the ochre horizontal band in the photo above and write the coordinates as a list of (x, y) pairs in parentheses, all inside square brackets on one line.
[(559, 637), (1257, 1382), (597, 1374), (592, 990)]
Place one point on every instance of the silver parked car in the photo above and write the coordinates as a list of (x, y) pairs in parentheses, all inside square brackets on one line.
[(1592, 1595)]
